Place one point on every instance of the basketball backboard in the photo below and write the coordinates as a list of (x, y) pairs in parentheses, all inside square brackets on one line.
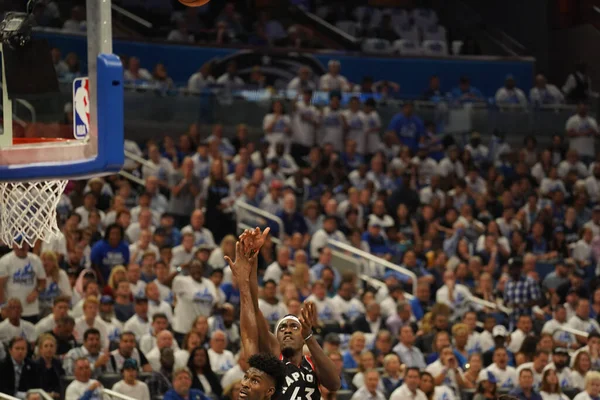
[(40, 146)]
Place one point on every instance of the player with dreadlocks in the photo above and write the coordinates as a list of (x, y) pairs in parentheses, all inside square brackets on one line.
[(303, 375), (265, 376)]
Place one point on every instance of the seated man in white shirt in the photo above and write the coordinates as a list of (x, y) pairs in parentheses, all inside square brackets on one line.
[(134, 276), (196, 226), (159, 324), (130, 385), (524, 329), (13, 326), (540, 361), (91, 319), (184, 253), (46, 324), (163, 340), (410, 387), (446, 371), (83, 386), (221, 360), (155, 304), (581, 321)]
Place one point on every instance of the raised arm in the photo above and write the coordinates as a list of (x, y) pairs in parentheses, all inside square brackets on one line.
[(324, 367)]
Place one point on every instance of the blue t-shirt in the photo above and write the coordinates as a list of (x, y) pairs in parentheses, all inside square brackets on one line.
[(457, 94), (409, 130), (232, 295), (107, 257)]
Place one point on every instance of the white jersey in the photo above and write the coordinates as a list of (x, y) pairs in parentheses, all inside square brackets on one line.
[(166, 294), (23, 275), (332, 129), (221, 362), (193, 299), (304, 123), (565, 376), (54, 289), (160, 307), (280, 131), (436, 368), (77, 389), (589, 325), (81, 326), (203, 236), (272, 312), (351, 309), (138, 289), (25, 330), (552, 327), (506, 378), (326, 310), (374, 143), (138, 326), (357, 129)]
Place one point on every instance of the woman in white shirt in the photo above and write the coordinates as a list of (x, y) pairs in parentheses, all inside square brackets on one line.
[(276, 125), (57, 283), (592, 387), (550, 389), (333, 125), (581, 366)]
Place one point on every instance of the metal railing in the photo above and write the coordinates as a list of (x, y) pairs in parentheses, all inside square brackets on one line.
[(489, 304), (575, 332), (141, 160), (131, 16), (379, 261), (257, 211), (42, 393), (114, 394), (131, 177), (8, 397)]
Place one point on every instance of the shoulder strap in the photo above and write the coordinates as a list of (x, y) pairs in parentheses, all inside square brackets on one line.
[(113, 362)]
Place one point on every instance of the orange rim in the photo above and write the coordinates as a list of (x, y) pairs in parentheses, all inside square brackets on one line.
[(17, 141)]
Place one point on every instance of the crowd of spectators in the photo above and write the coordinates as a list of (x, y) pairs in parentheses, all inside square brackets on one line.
[(137, 282)]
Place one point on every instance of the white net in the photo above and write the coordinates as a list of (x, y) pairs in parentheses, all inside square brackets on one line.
[(28, 211)]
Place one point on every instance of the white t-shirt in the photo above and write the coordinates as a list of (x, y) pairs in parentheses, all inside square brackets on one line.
[(554, 396), (181, 256), (351, 309), (193, 299), (138, 289), (459, 301), (357, 129), (565, 377), (234, 374), (404, 393), (57, 244), (506, 378), (166, 294), (374, 143), (332, 129), (138, 391), (272, 312), (583, 144), (134, 249), (443, 393), (325, 308), (81, 326), (138, 326), (516, 340), (583, 396), (303, 131), (588, 326), (148, 344), (54, 289), (23, 275), (25, 330), (160, 307), (436, 368), (329, 82), (76, 389), (278, 132), (537, 377), (221, 362)]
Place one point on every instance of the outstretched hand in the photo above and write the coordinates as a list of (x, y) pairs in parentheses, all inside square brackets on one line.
[(253, 239), (308, 317), (242, 267)]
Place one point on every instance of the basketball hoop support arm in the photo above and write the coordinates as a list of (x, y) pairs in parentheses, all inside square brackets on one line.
[(7, 135)]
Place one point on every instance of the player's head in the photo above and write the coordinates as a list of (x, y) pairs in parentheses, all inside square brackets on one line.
[(289, 334), (263, 378)]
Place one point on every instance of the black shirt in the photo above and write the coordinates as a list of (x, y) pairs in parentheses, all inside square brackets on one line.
[(64, 345), (300, 381)]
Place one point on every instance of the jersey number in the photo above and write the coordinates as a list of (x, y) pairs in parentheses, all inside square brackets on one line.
[(308, 392)]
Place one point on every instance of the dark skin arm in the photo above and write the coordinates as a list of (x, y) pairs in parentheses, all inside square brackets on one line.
[(242, 269), (252, 241), (324, 366)]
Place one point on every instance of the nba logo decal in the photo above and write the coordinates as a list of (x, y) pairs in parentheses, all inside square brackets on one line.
[(81, 108)]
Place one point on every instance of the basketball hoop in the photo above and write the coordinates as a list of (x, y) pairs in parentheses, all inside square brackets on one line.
[(28, 208)]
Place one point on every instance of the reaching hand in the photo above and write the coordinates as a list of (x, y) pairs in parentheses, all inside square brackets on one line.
[(307, 318), (253, 239), (242, 267)]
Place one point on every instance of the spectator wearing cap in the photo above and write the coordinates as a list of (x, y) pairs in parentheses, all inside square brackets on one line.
[(92, 350), (486, 386), (410, 355), (510, 94), (328, 231), (520, 292), (560, 362), (332, 80), (505, 375), (140, 322), (553, 327), (410, 387), (130, 385), (107, 314), (499, 334)]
